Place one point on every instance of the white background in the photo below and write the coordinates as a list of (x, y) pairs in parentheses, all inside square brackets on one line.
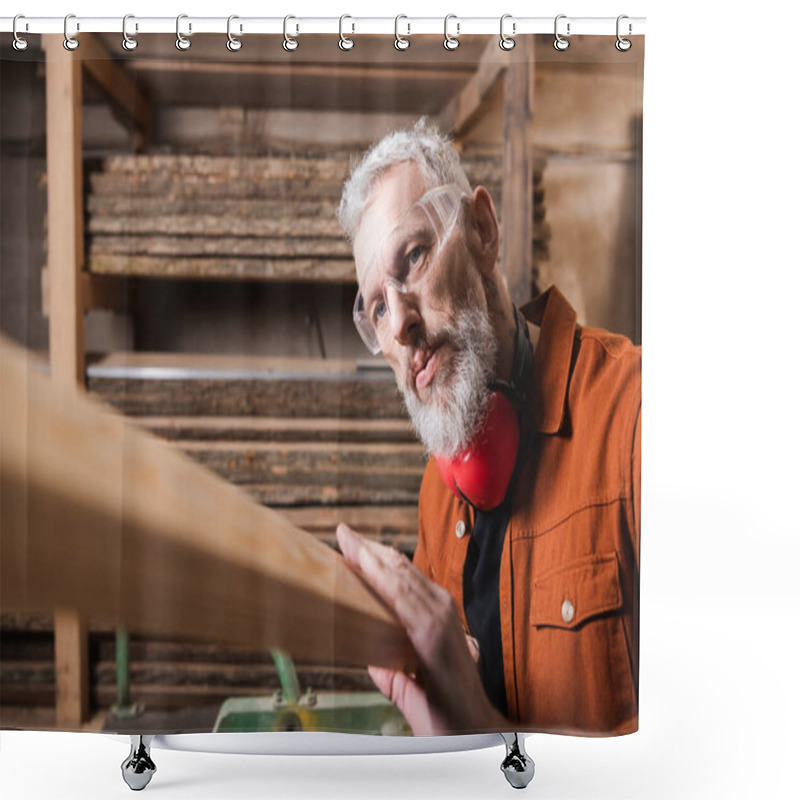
[(720, 545)]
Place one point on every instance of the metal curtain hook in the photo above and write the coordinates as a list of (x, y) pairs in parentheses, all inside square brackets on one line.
[(400, 42), (451, 42), (128, 42), (560, 42), (181, 42), (19, 44), (506, 42), (233, 44), (70, 42), (623, 45), (344, 42), (290, 43)]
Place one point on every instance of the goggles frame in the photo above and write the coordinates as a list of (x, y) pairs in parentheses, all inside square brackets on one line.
[(442, 207)]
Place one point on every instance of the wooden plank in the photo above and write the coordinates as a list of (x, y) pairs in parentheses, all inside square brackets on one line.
[(126, 205), (292, 398), (313, 270), (468, 106), (120, 90), (98, 516), (63, 99), (371, 520), (285, 495), (279, 429), (71, 665), (317, 465), (65, 217), (97, 292), (517, 202), (249, 168), (222, 225), (174, 185), (366, 72), (224, 246)]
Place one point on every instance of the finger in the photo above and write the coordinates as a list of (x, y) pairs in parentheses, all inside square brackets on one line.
[(474, 648), (400, 584), (350, 544), (400, 688)]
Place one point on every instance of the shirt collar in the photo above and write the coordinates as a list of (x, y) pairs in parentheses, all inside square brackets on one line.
[(552, 359)]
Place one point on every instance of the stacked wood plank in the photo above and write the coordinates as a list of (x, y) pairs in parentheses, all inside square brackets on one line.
[(264, 217), (321, 440), (165, 672)]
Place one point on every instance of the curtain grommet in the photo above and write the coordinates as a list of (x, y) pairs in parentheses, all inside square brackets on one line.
[(19, 44), (290, 43), (451, 42), (560, 43), (401, 43), (623, 45), (507, 42), (345, 43), (234, 44), (70, 42), (181, 42)]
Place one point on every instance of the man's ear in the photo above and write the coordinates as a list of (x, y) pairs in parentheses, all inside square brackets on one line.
[(484, 231)]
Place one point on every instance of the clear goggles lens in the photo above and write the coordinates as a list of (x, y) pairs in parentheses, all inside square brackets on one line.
[(404, 256)]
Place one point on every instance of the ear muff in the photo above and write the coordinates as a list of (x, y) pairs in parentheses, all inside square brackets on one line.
[(481, 472)]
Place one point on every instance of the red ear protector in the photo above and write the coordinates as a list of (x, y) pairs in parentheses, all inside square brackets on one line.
[(482, 471)]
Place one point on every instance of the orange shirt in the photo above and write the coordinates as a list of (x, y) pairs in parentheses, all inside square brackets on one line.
[(569, 575)]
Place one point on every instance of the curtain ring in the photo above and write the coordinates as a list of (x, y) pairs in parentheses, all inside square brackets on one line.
[(181, 42), (19, 43), (623, 45), (506, 42), (128, 42), (233, 44), (344, 42), (560, 42), (451, 42), (70, 42), (400, 42), (290, 43)]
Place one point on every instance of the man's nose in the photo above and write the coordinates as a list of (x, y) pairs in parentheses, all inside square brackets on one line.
[(403, 314)]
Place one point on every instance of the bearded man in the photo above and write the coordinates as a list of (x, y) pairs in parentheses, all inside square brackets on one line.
[(522, 599)]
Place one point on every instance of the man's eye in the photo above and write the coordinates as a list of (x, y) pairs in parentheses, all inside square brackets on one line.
[(414, 256), (379, 311)]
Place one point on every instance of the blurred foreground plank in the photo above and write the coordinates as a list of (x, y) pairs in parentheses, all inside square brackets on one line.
[(97, 515)]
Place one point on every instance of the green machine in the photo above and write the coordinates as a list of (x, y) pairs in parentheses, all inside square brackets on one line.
[(289, 710)]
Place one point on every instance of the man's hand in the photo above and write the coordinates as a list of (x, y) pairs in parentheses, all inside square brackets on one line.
[(446, 695)]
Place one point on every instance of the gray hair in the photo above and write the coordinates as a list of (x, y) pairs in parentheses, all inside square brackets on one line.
[(423, 143)]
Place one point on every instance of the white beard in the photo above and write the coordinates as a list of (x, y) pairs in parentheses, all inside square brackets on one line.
[(453, 414)]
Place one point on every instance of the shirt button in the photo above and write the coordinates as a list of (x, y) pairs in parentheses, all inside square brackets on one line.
[(461, 529), (567, 611)]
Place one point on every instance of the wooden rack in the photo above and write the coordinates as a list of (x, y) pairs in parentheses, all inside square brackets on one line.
[(80, 278)]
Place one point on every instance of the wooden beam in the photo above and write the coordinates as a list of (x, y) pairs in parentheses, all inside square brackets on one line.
[(65, 210), (97, 291), (465, 109), (116, 85), (517, 204), (367, 72), (64, 97), (100, 517), (72, 666)]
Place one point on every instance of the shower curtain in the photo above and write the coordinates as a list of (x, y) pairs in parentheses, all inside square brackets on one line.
[(193, 402)]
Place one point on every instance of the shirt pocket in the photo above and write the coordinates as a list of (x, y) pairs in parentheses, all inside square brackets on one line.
[(569, 596)]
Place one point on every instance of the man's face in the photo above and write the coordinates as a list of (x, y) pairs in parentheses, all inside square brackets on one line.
[(439, 340)]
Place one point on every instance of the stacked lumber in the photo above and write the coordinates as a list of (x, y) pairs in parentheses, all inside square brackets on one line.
[(320, 440), (262, 217), (166, 673)]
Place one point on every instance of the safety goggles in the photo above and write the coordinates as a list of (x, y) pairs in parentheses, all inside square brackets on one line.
[(404, 256)]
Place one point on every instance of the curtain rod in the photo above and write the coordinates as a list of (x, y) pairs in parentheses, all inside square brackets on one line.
[(350, 25)]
